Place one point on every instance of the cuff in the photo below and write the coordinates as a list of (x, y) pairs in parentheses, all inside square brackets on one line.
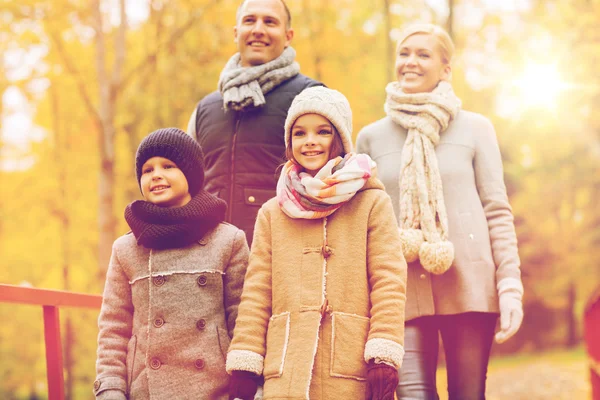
[(110, 387), (510, 285), (384, 351), (244, 360)]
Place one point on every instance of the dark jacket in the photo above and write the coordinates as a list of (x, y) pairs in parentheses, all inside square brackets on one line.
[(243, 149)]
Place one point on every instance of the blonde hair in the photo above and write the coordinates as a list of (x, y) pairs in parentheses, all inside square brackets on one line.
[(444, 40)]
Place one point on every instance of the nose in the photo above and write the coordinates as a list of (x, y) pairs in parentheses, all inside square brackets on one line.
[(156, 174), (310, 139), (258, 28), (411, 59)]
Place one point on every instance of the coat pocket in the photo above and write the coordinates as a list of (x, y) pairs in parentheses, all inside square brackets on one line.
[(131, 348), (224, 341), (278, 334), (349, 335)]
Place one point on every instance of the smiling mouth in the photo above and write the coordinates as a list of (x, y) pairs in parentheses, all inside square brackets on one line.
[(312, 153), (257, 44), (159, 188), (409, 74)]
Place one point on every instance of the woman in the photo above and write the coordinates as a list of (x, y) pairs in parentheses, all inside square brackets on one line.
[(322, 310), (442, 167)]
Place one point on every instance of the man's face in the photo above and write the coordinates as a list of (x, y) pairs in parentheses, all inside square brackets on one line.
[(261, 31)]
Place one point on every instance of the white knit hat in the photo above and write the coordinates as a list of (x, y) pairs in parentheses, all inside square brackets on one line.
[(329, 103)]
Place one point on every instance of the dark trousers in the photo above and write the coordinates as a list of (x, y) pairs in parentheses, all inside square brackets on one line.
[(467, 339)]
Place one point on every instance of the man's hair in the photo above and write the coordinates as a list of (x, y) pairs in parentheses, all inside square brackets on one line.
[(288, 16)]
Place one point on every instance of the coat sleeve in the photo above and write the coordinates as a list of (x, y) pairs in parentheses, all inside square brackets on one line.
[(362, 143), (248, 347), (115, 325), (489, 177), (234, 279), (387, 271)]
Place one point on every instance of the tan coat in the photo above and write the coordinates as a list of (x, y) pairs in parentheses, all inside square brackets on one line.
[(321, 297), (165, 318), (479, 216)]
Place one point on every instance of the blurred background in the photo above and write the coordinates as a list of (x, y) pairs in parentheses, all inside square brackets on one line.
[(82, 81)]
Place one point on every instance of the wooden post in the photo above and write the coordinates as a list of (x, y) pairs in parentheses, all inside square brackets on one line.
[(54, 363)]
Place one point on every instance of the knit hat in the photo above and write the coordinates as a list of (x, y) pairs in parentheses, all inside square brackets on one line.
[(329, 103), (177, 146)]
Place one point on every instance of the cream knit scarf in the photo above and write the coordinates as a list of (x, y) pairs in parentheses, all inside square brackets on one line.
[(245, 87), (423, 218)]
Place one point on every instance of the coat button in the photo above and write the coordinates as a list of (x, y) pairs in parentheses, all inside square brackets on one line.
[(202, 280), (158, 322), (251, 199), (327, 251), (155, 363), (423, 276), (97, 385), (158, 280), (199, 363), (201, 324)]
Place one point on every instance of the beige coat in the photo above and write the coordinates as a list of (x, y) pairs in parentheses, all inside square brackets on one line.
[(320, 298), (166, 315), (479, 216)]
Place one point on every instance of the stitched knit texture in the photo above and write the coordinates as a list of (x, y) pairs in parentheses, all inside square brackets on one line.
[(159, 227), (244, 87), (422, 207), (329, 103), (177, 146)]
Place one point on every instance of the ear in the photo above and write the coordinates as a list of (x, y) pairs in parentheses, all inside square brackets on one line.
[(289, 35), (447, 72), (235, 38)]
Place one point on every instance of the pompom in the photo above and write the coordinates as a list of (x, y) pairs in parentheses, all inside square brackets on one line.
[(436, 257), (412, 239)]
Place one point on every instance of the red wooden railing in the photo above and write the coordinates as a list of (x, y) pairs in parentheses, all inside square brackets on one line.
[(50, 300)]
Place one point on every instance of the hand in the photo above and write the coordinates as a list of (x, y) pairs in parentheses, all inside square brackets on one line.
[(242, 385), (382, 380), (511, 314)]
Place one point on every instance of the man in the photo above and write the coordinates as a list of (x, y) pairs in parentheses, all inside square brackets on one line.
[(240, 126)]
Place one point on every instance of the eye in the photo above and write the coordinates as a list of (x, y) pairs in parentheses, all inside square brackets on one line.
[(248, 20), (424, 55), (324, 132), (270, 21), (169, 166), (403, 54), (146, 170), (298, 133)]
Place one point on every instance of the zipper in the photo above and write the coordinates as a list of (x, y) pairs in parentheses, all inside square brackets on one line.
[(238, 118)]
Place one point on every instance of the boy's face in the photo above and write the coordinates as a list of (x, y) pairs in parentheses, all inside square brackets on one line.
[(164, 184)]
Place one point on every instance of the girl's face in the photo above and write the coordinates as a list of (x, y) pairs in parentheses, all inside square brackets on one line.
[(312, 139), (163, 183), (419, 64)]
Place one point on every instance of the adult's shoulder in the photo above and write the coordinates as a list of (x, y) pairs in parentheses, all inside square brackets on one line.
[(472, 120), (381, 126), (298, 83), (211, 98)]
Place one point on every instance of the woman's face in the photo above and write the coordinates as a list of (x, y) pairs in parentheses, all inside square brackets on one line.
[(312, 137), (419, 64)]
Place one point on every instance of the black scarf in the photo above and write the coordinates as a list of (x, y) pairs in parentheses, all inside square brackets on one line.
[(158, 227)]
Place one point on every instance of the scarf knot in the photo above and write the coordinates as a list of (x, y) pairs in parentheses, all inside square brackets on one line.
[(158, 227), (301, 195), (245, 88), (423, 217)]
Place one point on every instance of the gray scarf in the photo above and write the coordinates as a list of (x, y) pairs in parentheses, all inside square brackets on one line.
[(245, 87)]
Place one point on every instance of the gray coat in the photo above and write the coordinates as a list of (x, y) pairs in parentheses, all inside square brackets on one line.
[(480, 219), (167, 317)]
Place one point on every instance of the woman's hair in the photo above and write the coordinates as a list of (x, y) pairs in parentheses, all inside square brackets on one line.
[(337, 147), (444, 40)]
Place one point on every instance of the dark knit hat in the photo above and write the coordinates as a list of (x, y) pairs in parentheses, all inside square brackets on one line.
[(177, 146)]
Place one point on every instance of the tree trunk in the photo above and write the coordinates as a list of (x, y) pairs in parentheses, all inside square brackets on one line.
[(108, 89), (572, 337), (389, 48), (450, 21)]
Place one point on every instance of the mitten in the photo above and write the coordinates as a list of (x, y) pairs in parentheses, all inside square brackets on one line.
[(382, 380), (510, 293), (242, 385)]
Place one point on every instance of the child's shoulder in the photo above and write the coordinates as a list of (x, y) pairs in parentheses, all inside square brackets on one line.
[(127, 240), (223, 232)]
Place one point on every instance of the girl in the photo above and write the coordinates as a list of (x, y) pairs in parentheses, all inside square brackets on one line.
[(442, 167), (173, 284), (322, 310)]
